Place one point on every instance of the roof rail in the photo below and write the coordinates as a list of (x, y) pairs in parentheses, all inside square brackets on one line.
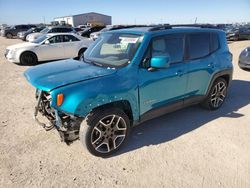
[(160, 27), (163, 27)]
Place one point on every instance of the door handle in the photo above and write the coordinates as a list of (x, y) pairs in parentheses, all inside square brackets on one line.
[(211, 65), (179, 73)]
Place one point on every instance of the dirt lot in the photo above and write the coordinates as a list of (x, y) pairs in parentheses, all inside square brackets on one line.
[(189, 148)]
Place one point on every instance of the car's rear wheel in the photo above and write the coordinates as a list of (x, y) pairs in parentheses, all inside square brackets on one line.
[(80, 53), (9, 35), (217, 95), (236, 38), (28, 58), (103, 132)]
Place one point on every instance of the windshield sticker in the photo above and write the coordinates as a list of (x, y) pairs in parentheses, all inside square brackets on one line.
[(128, 40)]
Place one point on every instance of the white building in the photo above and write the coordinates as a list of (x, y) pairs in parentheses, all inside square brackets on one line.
[(84, 19)]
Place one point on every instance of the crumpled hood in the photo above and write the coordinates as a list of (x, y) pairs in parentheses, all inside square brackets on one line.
[(56, 74)]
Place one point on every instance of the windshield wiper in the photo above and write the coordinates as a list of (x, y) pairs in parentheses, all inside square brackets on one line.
[(92, 62), (97, 64)]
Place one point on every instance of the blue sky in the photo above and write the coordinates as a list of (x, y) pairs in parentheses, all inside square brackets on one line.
[(128, 11)]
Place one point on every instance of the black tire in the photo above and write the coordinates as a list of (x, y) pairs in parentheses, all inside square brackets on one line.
[(216, 95), (236, 38), (9, 35), (28, 58), (81, 51), (103, 132)]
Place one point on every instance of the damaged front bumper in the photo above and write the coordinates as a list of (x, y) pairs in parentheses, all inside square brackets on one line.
[(67, 125)]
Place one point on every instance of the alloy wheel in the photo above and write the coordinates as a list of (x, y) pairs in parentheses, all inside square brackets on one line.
[(108, 134), (218, 94), (29, 59)]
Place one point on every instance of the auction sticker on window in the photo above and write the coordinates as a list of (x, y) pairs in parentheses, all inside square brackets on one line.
[(128, 39)]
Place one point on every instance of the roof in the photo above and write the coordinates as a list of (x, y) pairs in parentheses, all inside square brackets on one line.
[(170, 29), (82, 14), (54, 34)]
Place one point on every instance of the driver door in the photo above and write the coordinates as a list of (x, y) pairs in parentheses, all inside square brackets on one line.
[(159, 87), (53, 50)]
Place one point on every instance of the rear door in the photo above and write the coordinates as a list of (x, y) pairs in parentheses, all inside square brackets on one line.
[(52, 51), (71, 46), (201, 61)]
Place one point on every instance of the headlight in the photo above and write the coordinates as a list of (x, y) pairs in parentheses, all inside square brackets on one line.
[(12, 52)]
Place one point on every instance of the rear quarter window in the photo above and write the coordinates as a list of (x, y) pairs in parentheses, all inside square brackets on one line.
[(198, 45), (214, 42)]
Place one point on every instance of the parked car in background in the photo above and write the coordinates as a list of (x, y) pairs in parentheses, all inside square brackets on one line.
[(13, 30), (95, 35), (242, 33), (48, 47), (83, 26), (87, 31), (22, 35), (51, 29), (77, 29), (114, 88), (3, 26), (244, 59)]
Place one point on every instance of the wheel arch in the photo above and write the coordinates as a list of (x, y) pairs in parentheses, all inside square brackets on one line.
[(27, 51), (123, 105), (226, 74), (83, 48)]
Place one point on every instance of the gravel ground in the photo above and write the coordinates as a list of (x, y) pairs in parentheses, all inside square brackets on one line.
[(189, 148)]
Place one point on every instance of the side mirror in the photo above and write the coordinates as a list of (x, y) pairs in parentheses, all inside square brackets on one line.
[(47, 42), (160, 62)]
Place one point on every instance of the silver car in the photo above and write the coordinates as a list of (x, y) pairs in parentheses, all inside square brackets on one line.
[(244, 59)]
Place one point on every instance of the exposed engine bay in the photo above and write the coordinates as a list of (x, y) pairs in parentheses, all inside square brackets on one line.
[(67, 125)]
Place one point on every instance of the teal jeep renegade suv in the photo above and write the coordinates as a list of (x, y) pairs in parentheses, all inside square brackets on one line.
[(129, 76)]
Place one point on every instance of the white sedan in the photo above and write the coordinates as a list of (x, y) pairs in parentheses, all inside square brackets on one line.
[(48, 47)]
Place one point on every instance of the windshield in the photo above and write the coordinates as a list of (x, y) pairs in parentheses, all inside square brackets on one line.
[(30, 30), (105, 29), (113, 49), (45, 30), (40, 39)]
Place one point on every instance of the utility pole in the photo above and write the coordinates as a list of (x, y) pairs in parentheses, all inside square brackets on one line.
[(195, 20), (44, 20)]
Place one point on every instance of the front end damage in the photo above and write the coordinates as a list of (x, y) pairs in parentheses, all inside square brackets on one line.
[(67, 125)]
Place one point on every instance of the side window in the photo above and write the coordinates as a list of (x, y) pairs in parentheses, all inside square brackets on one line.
[(175, 49), (25, 27), (214, 42), (64, 30), (53, 30), (171, 45), (69, 38), (198, 45), (18, 26), (56, 39)]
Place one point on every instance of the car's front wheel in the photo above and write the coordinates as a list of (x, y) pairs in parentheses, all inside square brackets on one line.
[(104, 132), (28, 58), (217, 95), (9, 35)]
